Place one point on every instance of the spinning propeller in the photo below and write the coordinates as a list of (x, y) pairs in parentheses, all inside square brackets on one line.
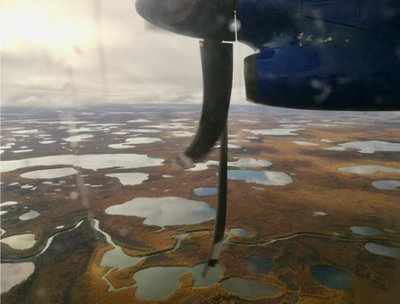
[(338, 55), (208, 20), (211, 21)]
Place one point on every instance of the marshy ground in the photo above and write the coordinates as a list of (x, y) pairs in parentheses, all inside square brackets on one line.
[(93, 210)]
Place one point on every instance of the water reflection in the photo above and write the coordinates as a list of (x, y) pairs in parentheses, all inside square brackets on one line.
[(145, 130), (390, 252), (157, 283), (371, 146), (268, 178), (386, 184), (249, 163), (88, 161), (205, 191), (319, 213), (49, 173), (365, 230), (130, 179), (116, 258), (138, 120), (8, 203), (304, 143), (164, 211), (239, 232), (169, 126), (213, 275), (78, 138), (120, 146), (249, 289), (369, 169), (142, 140), (182, 133), (275, 131), (258, 264), (20, 241), (13, 274), (47, 142), (29, 215)]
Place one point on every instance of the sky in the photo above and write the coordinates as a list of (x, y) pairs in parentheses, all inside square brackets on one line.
[(50, 56)]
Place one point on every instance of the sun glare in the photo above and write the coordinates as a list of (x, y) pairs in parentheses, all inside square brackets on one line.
[(26, 26)]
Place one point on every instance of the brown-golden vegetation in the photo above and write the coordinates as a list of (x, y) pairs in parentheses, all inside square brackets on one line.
[(70, 272)]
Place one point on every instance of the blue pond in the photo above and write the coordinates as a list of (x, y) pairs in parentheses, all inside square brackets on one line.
[(249, 289), (332, 277), (267, 178), (205, 191), (258, 264)]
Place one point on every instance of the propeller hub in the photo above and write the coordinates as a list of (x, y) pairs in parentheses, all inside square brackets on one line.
[(205, 19)]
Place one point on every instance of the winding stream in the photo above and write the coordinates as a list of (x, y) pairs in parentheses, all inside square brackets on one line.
[(146, 289)]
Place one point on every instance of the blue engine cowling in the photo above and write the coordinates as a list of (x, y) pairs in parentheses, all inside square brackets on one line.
[(322, 54)]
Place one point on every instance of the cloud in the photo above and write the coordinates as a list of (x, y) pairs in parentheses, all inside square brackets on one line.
[(50, 57)]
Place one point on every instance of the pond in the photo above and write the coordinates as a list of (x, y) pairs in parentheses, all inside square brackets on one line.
[(258, 264), (13, 274), (20, 241), (120, 146), (165, 211), (386, 184), (369, 169), (8, 203), (169, 126), (142, 140), (29, 215), (365, 230), (275, 131), (130, 179), (268, 178), (49, 173), (182, 133), (387, 251), (304, 143), (205, 191), (78, 138), (145, 130), (86, 161), (118, 259), (371, 146), (250, 162), (157, 283), (319, 213), (332, 277), (249, 289), (47, 142), (239, 232), (115, 257)]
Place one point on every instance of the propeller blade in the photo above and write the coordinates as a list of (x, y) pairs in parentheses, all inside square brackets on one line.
[(219, 230), (217, 61)]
